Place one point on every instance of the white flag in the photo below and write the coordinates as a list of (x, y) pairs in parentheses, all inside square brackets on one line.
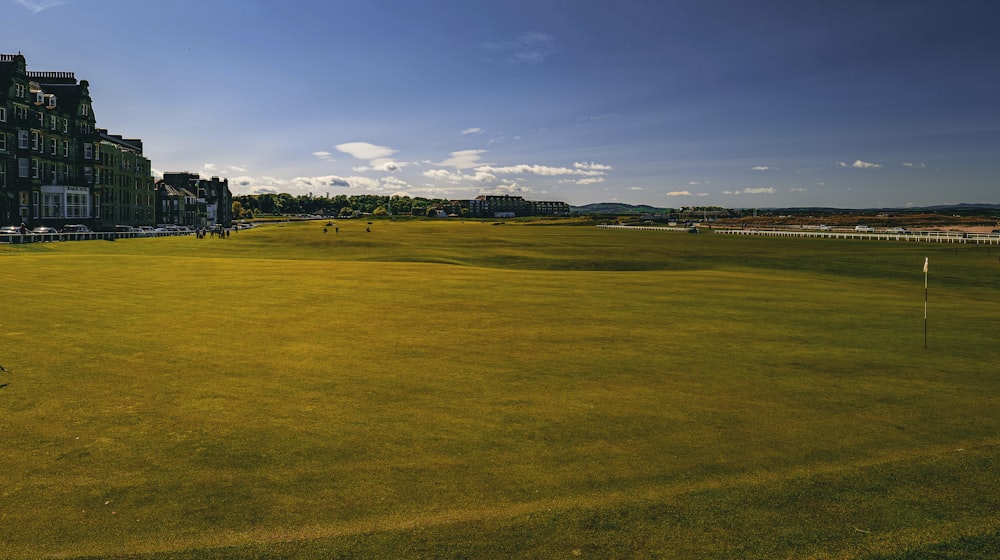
[(925, 265)]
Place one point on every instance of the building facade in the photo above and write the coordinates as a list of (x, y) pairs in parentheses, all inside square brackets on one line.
[(507, 206), (185, 199), (51, 167)]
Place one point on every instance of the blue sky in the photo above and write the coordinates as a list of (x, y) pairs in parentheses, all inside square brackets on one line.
[(669, 103)]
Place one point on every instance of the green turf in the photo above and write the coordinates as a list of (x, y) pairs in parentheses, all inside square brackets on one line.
[(458, 390)]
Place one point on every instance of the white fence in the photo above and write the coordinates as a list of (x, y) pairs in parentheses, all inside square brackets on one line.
[(106, 235), (914, 236)]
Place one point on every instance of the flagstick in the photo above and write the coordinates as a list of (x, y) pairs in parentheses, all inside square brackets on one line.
[(925, 303)]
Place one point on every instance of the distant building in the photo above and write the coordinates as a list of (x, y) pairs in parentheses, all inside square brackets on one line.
[(56, 166), (185, 199), (507, 206)]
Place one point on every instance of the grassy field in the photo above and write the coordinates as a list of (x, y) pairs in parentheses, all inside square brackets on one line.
[(469, 390)]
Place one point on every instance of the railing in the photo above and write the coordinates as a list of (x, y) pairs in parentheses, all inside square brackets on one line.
[(18, 238), (914, 236)]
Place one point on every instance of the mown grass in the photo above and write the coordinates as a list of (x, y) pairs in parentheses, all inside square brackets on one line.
[(447, 390)]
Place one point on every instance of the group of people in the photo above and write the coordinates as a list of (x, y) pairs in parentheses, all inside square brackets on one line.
[(222, 232)]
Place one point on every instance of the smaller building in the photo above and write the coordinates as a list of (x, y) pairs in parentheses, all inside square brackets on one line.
[(185, 199)]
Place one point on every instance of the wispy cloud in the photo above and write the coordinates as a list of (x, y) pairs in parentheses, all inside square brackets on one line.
[(458, 176), (473, 130), (327, 156), (912, 164), (752, 190), (764, 168), (679, 193), (365, 150), (858, 164), (35, 6), (591, 169), (526, 48), (463, 159)]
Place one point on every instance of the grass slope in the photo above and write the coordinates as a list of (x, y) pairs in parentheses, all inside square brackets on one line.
[(446, 390)]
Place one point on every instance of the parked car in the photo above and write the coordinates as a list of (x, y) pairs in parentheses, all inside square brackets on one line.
[(10, 230), (44, 230), (75, 228), (897, 230), (866, 229), (124, 229)]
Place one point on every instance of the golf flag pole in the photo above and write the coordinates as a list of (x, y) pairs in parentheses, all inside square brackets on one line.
[(925, 301)]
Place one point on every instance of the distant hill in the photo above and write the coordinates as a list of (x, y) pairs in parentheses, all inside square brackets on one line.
[(617, 208)]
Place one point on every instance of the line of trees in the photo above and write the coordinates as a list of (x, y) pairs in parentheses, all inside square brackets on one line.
[(250, 205)]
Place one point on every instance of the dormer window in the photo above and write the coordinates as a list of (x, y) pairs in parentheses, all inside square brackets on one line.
[(51, 101), (39, 97)]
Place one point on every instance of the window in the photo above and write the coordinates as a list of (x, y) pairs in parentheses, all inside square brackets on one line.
[(52, 205), (22, 139), (85, 109), (3, 142), (19, 92), (34, 169), (34, 201), (3, 175), (65, 148), (39, 98), (76, 205), (65, 126), (22, 167), (3, 114), (88, 175), (41, 119), (52, 102), (52, 122), (88, 150), (34, 141)]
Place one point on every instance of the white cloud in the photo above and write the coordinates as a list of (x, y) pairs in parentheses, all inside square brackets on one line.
[(208, 168), (858, 164), (545, 170), (463, 159), (590, 181), (764, 168), (635, 188), (798, 189), (36, 6), (679, 193), (327, 156), (366, 151), (239, 168), (511, 189), (473, 130), (526, 48), (591, 166), (911, 164), (759, 190), (459, 177), (387, 165)]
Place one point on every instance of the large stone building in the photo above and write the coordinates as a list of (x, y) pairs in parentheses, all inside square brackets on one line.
[(506, 206), (56, 166)]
